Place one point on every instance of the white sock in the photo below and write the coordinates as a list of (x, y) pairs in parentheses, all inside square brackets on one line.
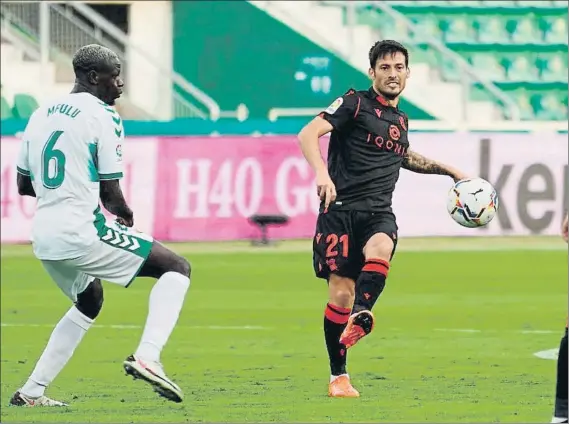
[(334, 377), (65, 337), (164, 306)]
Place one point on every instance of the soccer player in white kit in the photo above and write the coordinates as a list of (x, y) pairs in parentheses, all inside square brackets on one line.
[(71, 157)]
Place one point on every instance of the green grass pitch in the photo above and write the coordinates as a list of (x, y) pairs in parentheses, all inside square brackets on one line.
[(457, 329)]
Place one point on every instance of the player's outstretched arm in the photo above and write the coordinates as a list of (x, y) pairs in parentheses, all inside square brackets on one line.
[(418, 163), (25, 187), (114, 201)]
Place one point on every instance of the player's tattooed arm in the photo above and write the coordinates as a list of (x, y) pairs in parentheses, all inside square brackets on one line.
[(114, 201), (415, 162), (25, 187)]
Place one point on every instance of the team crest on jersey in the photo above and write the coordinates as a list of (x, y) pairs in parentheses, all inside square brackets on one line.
[(119, 152), (394, 133), (335, 106)]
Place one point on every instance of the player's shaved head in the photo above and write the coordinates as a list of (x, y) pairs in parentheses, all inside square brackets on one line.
[(93, 57), (97, 71)]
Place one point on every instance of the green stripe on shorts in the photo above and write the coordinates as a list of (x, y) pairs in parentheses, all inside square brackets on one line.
[(121, 240)]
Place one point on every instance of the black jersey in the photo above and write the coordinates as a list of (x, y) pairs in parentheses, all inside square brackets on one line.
[(367, 147)]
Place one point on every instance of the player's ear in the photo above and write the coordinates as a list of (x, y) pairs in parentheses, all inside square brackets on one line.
[(93, 77), (371, 73), (408, 72)]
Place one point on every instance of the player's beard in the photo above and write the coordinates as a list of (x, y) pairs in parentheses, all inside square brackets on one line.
[(390, 95)]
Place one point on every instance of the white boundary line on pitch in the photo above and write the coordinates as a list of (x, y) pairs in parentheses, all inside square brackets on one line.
[(137, 327), (257, 327), (472, 330)]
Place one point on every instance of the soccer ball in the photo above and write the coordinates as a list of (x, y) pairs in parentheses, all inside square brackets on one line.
[(472, 202)]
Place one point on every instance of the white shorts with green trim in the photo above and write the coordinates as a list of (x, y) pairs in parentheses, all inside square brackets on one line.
[(116, 257)]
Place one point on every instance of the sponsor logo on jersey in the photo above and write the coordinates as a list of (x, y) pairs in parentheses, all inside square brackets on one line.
[(334, 106), (119, 152)]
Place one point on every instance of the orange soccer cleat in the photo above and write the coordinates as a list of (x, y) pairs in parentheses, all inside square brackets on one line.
[(341, 387), (359, 325)]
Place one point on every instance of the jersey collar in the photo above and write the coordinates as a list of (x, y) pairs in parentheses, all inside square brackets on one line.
[(379, 98)]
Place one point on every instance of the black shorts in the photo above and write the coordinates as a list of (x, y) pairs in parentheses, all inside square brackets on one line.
[(341, 236)]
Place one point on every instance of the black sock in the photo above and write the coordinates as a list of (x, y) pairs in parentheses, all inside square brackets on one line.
[(370, 284), (561, 389), (335, 319)]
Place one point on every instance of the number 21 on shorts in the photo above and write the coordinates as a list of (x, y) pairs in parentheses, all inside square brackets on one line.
[(337, 245)]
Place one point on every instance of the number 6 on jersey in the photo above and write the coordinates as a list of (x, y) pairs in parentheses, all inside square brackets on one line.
[(52, 163)]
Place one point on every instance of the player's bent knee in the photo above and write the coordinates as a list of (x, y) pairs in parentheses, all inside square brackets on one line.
[(90, 301), (343, 298), (380, 246), (183, 267), (341, 291)]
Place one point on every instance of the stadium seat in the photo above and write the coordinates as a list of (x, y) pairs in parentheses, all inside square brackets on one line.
[(458, 29), (490, 29), (554, 30), (521, 69), (489, 66), (523, 100), (24, 106), (553, 68), (525, 31), (426, 26)]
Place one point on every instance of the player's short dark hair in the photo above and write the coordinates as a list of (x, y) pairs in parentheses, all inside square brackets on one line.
[(386, 47), (93, 57)]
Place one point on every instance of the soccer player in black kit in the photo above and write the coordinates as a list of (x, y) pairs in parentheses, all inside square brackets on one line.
[(561, 410), (356, 231)]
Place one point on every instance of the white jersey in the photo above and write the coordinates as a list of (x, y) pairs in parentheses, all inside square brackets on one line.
[(69, 145)]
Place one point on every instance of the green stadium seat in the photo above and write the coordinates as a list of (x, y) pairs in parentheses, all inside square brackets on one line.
[(458, 29), (390, 29), (554, 29), (24, 106), (489, 66), (522, 69), (5, 109), (548, 106), (523, 101), (553, 67), (491, 29), (525, 31), (427, 25)]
